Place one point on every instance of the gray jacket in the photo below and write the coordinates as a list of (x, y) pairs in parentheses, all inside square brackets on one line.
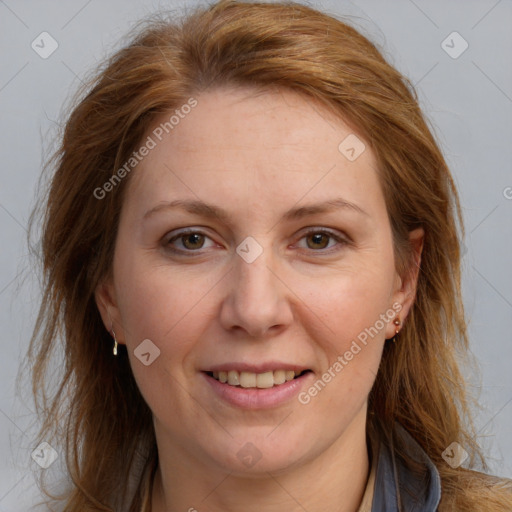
[(399, 488)]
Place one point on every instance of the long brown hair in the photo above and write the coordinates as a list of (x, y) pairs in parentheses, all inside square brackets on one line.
[(96, 411)]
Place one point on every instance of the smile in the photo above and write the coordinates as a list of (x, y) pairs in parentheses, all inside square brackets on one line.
[(261, 389), (262, 380)]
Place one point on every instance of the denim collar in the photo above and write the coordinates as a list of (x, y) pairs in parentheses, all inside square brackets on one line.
[(399, 487)]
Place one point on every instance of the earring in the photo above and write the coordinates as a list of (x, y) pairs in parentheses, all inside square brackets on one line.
[(115, 341), (112, 332), (397, 323)]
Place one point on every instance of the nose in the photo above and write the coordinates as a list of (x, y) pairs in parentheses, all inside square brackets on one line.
[(257, 302)]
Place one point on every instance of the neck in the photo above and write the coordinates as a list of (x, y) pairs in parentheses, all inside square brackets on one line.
[(333, 481)]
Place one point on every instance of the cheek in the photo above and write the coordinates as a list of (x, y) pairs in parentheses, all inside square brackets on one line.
[(160, 305), (163, 307), (349, 305), (156, 301), (346, 317), (350, 338)]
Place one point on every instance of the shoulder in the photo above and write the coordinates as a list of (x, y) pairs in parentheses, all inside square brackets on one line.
[(482, 493), (407, 479)]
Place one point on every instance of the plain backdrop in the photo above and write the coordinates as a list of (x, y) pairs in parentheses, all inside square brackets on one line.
[(466, 95)]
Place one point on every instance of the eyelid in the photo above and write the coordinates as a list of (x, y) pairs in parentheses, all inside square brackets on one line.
[(323, 229)]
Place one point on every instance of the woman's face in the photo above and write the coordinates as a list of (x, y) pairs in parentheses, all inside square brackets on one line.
[(252, 242)]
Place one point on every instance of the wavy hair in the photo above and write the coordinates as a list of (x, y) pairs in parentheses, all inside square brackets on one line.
[(95, 411)]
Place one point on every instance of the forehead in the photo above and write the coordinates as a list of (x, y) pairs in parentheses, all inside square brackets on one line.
[(255, 144), (245, 118)]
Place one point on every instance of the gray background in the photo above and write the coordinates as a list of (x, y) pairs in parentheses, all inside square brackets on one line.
[(467, 99)]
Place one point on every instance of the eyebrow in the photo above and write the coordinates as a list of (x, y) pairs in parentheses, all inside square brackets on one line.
[(206, 210)]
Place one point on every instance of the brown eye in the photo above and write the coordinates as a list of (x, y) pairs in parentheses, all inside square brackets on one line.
[(193, 241), (189, 242), (318, 240), (323, 241)]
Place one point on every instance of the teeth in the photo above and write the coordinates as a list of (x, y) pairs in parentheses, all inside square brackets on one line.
[(279, 377), (233, 378), (265, 380), (255, 380), (247, 380)]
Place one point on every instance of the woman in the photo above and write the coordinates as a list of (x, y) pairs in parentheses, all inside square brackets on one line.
[(251, 251)]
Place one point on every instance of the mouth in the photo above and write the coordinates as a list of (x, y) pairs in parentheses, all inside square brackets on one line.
[(251, 380), (257, 385)]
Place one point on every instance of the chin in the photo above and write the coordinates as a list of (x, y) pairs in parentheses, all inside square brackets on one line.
[(257, 454)]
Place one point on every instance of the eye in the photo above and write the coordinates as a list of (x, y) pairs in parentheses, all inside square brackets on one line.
[(188, 241), (320, 239)]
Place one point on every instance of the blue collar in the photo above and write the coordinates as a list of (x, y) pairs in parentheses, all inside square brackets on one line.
[(399, 487)]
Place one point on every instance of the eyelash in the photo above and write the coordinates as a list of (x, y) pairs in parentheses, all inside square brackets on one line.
[(331, 234)]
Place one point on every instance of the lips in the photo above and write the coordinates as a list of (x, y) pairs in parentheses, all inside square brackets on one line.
[(263, 390), (260, 380)]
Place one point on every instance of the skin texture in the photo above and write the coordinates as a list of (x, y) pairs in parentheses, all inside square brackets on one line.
[(302, 301)]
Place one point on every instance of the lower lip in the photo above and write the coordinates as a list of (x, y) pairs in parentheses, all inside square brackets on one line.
[(255, 398)]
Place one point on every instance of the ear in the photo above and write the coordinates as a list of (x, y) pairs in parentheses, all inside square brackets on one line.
[(405, 285), (106, 302)]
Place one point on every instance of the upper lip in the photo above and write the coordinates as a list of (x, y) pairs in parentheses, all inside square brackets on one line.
[(269, 366)]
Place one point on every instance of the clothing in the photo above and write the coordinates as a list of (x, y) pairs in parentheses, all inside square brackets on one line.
[(400, 488), (392, 486)]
